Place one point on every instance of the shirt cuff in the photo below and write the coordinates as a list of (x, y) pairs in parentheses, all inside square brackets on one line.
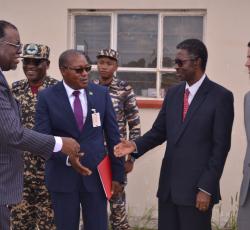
[(204, 191), (58, 145), (136, 150), (67, 162)]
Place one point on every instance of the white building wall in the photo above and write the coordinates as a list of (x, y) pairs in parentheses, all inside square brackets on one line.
[(226, 35)]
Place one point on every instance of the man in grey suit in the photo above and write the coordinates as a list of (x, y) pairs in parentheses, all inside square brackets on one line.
[(244, 203), (14, 138)]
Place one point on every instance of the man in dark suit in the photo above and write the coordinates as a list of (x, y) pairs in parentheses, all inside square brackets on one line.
[(196, 121), (83, 111), (14, 137)]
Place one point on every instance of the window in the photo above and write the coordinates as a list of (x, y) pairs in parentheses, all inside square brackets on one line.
[(145, 40)]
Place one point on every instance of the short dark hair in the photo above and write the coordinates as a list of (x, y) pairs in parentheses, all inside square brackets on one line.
[(196, 48), (248, 44), (63, 59), (3, 26)]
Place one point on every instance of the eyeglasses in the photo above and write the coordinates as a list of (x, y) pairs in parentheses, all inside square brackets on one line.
[(32, 61), (180, 62), (18, 46), (79, 70)]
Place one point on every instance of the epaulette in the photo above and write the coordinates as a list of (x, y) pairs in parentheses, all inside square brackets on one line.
[(125, 85), (17, 84)]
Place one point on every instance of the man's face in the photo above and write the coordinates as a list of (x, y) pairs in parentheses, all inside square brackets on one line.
[(185, 66), (9, 53), (35, 69), (74, 74), (248, 60), (106, 67)]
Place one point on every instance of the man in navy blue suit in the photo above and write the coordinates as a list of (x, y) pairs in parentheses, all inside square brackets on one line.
[(84, 111), (196, 121)]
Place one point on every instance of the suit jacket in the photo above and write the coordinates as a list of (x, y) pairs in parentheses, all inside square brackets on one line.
[(14, 138), (246, 166), (54, 115), (196, 147)]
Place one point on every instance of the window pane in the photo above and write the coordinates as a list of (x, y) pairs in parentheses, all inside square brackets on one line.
[(167, 80), (175, 30), (92, 34), (144, 84), (137, 40)]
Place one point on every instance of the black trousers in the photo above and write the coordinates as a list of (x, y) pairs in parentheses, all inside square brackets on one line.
[(180, 217)]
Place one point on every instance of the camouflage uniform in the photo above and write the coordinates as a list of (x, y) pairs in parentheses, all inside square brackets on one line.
[(35, 209), (124, 102)]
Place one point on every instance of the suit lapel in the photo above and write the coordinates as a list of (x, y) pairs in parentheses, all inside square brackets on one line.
[(194, 106), (66, 107), (178, 108), (88, 121)]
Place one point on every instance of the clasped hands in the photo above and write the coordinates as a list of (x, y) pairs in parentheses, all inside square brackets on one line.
[(72, 148)]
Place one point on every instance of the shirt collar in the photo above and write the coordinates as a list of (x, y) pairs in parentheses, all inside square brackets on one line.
[(194, 88), (70, 91)]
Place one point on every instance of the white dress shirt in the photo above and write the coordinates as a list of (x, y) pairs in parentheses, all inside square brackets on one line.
[(84, 103), (194, 88), (82, 97), (71, 97)]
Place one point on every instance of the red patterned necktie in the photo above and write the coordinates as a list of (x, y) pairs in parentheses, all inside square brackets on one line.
[(185, 103), (77, 106)]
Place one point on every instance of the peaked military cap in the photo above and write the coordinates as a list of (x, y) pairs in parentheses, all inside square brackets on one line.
[(37, 51), (110, 53)]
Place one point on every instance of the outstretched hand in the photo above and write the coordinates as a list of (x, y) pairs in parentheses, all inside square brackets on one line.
[(124, 148), (76, 164)]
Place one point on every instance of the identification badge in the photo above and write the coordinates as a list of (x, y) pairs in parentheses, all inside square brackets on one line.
[(96, 121)]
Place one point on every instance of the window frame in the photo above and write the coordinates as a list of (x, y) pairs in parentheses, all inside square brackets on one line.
[(144, 102)]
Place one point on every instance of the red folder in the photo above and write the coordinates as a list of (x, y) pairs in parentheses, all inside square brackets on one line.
[(105, 173)]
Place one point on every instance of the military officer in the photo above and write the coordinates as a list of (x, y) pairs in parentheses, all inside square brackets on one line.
[(127, 114), (35, 211)]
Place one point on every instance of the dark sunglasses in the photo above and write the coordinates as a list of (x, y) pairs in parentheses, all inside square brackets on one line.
[(79, 70), (32, 61), (180, 62)]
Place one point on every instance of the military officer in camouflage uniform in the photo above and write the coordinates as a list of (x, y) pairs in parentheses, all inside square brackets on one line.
[(124, 102), (35, 211)]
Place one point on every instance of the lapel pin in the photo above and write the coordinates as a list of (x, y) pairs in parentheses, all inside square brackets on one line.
[(90, 93)]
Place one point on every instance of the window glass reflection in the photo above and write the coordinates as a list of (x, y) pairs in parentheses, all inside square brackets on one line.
[(167, 80), (144, 84), (92, 34), (175, 30), (137, 40)]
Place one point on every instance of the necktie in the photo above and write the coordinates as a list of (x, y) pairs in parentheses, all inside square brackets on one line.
[(185, 103), (77, 107)]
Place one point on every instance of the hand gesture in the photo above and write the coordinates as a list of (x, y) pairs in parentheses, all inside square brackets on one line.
[(75, 163), (124, 148), (70, 146)]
